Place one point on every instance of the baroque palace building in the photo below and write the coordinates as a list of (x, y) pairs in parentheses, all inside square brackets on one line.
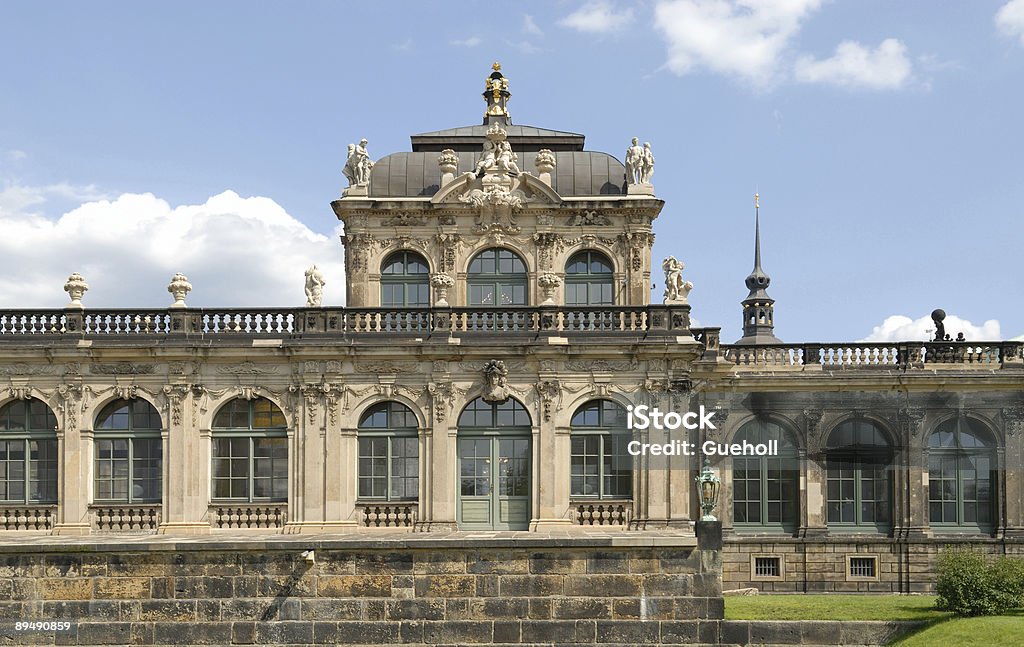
[(498, 323)]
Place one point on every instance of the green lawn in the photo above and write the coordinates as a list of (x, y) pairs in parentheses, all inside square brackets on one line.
[(943, 628), (832, 607), (990, 631)]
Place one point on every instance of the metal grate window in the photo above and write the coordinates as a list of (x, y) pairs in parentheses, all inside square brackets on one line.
[(863, 566), (767, 567)]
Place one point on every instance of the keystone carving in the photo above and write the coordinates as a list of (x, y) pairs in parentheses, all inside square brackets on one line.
[(496, 381)]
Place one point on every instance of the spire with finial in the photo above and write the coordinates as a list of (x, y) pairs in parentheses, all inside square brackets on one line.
[(496, 95), (758, 307)]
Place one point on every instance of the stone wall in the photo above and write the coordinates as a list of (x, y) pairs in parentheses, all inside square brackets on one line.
[(386, 591), (822, 564)]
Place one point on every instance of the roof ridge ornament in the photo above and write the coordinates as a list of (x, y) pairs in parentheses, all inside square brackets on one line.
[(496, 95)]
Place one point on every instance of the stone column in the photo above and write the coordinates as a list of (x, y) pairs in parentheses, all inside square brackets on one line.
[(345, 476), (74, 447), (186, 472)]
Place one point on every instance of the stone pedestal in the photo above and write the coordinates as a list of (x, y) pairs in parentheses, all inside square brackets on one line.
[(644, 188)]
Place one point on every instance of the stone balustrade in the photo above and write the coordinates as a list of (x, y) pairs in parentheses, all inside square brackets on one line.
[(125, 518), (248, 516), (27, 517), (387, 515), (296, 322)]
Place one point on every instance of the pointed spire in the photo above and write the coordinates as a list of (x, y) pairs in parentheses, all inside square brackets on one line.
[(758, 307)]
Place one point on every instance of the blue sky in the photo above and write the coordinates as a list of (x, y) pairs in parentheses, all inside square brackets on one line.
[(142, 139)]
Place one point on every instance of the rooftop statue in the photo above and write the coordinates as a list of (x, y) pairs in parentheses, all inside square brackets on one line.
[(647, 164), (358, 165), (634, 163), (314, 287), (676, 289), (498, 154), (639, 168)]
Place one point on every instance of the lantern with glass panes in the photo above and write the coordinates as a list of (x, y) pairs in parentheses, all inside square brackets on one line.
[(708, 487)]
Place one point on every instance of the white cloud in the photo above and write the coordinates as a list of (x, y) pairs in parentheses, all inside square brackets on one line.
[(235, 251), (472, 41), (18, 198), (854, 65), (744, 38), (1010, 19), (902, 328), (530, 26), (597, 17)]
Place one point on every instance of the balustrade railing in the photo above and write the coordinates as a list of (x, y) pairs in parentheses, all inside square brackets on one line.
[(125, 518), (612, 513), (387, 515), (862, 355), (27, 517), (285, 322), (248, 516)]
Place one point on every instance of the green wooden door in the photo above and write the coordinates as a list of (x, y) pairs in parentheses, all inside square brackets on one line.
[(494, 482)]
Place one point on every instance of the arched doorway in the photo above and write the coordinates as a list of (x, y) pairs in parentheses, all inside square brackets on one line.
[(494, 466)]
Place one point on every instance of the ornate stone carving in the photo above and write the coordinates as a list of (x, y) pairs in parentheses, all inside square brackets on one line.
[(588, 217), (634, 243), (443, 396), (496, 381), (448, 245), (76, 287), (22, 392), (121, 368), (126, 391), (311, 394), (314, 287), (385, 367), (175, 395), (357, 168), (448, 162), (548, 244), (21, 368), (676, 289), (602, 365), (179, 287), (549, 283), (1014, 419), (441, 283), (910, 421), (545, 165), (498, 156), (403, 242), (405, 219), (70, 397), (357, 249), (497, 207), (550, 392), (246, 368)]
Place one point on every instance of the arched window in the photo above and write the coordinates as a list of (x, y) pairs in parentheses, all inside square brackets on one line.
[(497, 277), (588, 279), (404, 280), (494, 458), (601, 467), (28, 452), (129, 453), (250, 452), (858, 457), (388, 453), (961, 474), (765, 488)]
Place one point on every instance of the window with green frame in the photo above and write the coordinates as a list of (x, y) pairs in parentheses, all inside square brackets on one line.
[(497, 277), (858, 461), (765, 488), (588, 279), (128, 453), (250, 452), (404, 280), (961, 475), (28, 452), (388, 453), (600, 465)]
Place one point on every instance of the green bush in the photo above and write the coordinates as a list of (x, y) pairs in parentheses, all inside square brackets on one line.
[(970, 585)]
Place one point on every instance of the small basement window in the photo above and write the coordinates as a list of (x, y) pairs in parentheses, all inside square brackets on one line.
[(862, 567), (766, 567)]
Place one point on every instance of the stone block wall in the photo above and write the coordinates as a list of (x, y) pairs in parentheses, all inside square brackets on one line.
[(371, 592), (821, 564)]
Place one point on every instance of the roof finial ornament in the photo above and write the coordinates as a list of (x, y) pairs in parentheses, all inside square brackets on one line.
[(757, 203), (758, 307), (496, 95)]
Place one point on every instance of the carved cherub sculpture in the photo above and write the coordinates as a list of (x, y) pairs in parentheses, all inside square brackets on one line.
[(676, 289)]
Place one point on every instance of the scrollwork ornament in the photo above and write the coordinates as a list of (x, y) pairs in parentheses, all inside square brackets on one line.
[(550, 392), (1014, 419), (910, 421)]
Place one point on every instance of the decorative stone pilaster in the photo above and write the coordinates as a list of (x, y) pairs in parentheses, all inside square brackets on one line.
[(549, 282), (76, 287), (545, 165), (179, 288), (441, 283), (448, 162)]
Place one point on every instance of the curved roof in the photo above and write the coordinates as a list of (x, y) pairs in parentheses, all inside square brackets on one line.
[(577, 173), (469, 138)]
